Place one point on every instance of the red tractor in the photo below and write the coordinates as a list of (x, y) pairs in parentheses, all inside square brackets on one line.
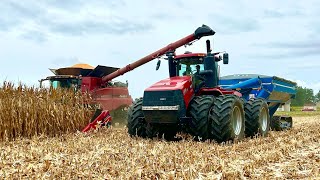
[(190, 99)]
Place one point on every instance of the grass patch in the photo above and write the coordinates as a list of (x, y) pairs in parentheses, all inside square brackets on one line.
[(297, 111)]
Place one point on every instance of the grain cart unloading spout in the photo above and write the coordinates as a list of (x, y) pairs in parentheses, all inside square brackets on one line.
[(199, 33)]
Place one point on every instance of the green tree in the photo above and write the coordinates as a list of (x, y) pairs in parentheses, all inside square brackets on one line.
[(309, 96), (317, 97), (300, 96), (303, 95)]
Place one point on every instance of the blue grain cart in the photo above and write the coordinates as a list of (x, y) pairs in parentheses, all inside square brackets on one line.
[(271, 89)]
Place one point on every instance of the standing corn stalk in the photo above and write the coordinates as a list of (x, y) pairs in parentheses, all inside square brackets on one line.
[(28, 111)]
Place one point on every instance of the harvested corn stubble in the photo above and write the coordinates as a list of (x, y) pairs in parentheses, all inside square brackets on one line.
[(112, 154)]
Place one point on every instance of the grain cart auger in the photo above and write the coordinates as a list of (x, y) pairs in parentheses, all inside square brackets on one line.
[(191, 100)]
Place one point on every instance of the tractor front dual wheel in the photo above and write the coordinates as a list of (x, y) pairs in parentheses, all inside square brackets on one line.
[(227, 118), (136, 123), (199, 111)]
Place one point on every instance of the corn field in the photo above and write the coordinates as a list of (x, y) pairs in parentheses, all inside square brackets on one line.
[(28, 111), (110, 153)]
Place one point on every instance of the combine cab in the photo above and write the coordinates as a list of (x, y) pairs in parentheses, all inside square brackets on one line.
[(111, 96)]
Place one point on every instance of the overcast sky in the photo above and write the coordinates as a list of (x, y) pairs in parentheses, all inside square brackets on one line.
[(272, 37)]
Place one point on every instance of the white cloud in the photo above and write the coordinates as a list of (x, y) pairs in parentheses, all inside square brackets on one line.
[(38, 35), (315, 85)]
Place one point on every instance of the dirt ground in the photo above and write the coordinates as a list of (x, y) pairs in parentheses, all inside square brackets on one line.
[(112, 154)]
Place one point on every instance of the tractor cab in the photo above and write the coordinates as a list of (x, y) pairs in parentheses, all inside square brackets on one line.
[(189, 63), (203, 67)]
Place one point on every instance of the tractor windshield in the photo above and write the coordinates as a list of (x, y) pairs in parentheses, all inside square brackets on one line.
[(188, 66)]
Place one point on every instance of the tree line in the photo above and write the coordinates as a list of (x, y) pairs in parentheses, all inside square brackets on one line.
[(305, 95)]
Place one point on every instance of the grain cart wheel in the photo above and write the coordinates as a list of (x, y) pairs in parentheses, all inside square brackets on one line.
[(199, 127), (136, 122), (280, 123), (227, 118), (257, 117)]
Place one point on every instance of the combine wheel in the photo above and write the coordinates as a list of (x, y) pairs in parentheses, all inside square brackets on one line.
[(257, 117), (199, 110), (227, 118), (136, 122)]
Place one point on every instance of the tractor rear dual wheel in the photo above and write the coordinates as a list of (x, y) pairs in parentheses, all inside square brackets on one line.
[(227, 118), (136, 123), (257, 117)]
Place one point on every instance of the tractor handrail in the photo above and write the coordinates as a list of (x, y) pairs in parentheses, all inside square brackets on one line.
[(199, 33)]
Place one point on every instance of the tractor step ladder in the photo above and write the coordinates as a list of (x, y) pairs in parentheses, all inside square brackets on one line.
[(103, 119)]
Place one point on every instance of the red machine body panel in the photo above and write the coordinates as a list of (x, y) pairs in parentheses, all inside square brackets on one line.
[(112, 98), (183, 83), (218, 91), (190, 55), (90, 83)]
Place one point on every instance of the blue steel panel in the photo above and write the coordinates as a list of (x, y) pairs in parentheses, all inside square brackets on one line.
[(284, 89), (249, 83), (268, 85)]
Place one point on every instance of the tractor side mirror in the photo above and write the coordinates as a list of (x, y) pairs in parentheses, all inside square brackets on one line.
[(158, 65), (225, 58)]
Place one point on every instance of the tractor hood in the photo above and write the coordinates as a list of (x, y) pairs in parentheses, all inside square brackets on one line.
[(173, 83), (167, 100)]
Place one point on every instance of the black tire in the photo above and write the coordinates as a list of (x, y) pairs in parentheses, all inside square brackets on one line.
[(281, 123), (199, 109), (227, 118), (136, 122), (257, 117)]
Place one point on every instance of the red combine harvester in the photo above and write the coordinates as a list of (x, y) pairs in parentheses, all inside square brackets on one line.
[(112, 97)]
